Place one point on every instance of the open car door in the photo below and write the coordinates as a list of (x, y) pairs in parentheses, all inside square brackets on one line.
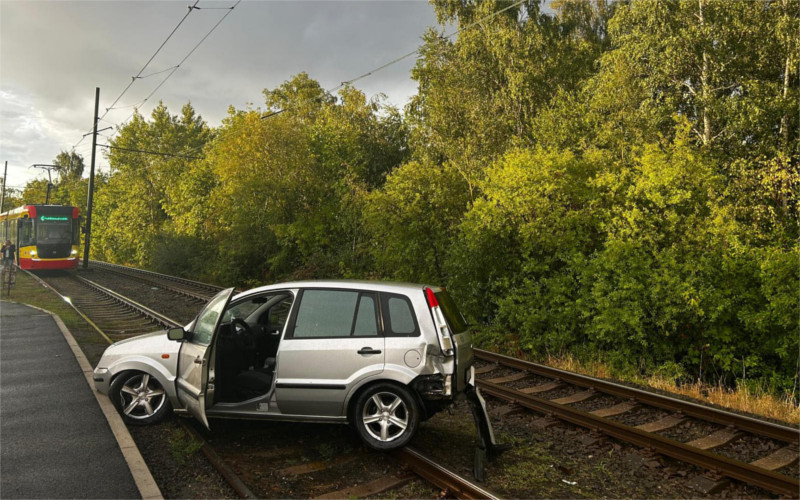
[(193, 359)]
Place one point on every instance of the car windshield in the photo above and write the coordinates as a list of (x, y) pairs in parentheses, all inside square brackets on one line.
[(52, 230), (207, 319)]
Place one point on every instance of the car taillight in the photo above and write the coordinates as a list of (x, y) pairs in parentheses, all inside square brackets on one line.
[(442, 330), (432, 302)]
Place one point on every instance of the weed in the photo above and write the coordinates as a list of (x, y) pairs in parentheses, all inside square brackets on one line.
[(182, 445), (526, 465), (327, 450)]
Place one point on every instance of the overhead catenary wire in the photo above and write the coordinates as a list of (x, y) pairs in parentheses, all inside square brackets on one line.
[(154, 74), (138, 75), (405, 56), (379, 68), (177, 66), (144, 151), (331, 90)]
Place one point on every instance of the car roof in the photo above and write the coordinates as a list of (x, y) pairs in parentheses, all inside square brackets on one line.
[(374, 285)]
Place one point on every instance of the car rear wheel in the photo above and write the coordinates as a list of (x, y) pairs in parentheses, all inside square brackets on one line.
[(139, 398), (386, 416)]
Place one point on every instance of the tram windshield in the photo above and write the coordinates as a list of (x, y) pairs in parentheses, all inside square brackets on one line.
[(54, 230)]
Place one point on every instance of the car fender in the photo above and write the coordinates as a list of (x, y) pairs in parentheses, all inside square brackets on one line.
[(151, 367), (391, 373)]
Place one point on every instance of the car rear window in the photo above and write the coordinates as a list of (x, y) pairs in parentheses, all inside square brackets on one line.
[(455, 319), (398, 316)]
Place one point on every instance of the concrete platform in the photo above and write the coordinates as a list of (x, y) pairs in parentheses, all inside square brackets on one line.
[(56, 441)]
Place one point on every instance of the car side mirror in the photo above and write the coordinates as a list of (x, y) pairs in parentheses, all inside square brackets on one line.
[(177, 334)]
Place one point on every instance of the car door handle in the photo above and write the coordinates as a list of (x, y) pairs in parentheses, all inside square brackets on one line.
[(368, 350), (198, 360)]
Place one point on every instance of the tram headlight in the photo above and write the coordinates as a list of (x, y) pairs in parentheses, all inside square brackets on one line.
[(33, 252), (74, 252)]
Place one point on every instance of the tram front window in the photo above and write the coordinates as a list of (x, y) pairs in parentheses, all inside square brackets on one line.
[(54, 232)]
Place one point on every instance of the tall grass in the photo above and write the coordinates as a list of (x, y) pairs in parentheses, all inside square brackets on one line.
[(743, 398)]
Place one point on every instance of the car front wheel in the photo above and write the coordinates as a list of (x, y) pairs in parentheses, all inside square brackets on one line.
[(139, 398), (386, 416)]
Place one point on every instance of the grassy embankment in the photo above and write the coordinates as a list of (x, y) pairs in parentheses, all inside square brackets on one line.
[(28, 291)]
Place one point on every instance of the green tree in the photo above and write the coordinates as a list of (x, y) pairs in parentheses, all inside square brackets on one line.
[(522, 247), (71, 164), (299, 179), (411, 219), (726, 67), (150, 168), (479, 94)]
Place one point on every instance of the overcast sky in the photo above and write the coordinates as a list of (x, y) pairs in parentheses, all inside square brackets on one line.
[(54, 54)]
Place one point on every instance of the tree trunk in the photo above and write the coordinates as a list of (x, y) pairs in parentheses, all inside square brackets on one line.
[(704, 77), (785, 117), (784, 130)]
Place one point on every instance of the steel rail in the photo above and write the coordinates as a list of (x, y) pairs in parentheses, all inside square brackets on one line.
[(166, 286), (748, 473), (197, 284), (442, 477), (218, 462), (144, 310), (762, 428)]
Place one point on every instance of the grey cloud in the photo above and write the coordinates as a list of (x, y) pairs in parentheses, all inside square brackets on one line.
[(53, 55)]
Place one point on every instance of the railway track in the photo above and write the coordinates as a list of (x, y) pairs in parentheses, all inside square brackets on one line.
[(112, 314), (182, 286), (648, 420), (116, 317), (611, 409)]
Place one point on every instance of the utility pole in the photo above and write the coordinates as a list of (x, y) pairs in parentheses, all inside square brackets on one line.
[(5, 181), (88, 236)]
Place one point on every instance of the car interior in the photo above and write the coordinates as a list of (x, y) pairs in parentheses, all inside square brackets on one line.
[(247, 345)]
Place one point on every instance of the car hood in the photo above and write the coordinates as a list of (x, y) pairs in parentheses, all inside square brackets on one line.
[(150, 345)]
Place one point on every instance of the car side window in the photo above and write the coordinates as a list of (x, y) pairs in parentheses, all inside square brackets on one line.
[(243, 309), (279, 313), (398, 315), (366, 322), (325, 313), (336, 313)]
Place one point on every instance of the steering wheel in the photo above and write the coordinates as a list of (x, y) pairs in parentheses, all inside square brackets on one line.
[(242, 331)]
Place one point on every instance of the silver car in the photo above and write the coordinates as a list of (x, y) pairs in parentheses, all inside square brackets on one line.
[(380, 355)]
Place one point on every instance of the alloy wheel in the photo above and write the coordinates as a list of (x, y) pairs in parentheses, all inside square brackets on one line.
[(141, 397), (385, 416)]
